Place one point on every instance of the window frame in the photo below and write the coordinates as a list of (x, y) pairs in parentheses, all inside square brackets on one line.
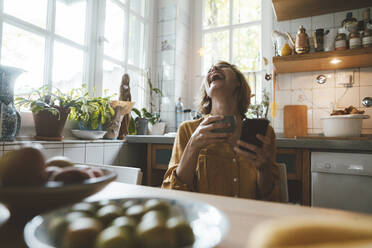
[(92, 47), (266, 23)]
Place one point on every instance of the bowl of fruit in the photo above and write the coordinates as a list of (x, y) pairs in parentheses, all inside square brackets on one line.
[(31, 185), (145, 222)]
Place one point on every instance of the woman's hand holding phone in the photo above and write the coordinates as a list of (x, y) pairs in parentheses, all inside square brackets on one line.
[(204, 135), (259, 156)]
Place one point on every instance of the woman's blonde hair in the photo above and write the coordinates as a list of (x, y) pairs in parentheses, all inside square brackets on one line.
[(243, 92)]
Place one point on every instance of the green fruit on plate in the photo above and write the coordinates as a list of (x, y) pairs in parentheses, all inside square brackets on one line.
[(115, 237), (182, 230), (82, 232)]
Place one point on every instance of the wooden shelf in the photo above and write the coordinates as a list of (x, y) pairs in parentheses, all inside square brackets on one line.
[(292, 9), (320, 61)]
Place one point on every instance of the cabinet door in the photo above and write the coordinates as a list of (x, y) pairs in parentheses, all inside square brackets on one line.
[(292, 158), (158, 157)]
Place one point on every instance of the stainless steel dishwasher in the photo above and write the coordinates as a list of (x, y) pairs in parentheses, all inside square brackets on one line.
[(342, 181)]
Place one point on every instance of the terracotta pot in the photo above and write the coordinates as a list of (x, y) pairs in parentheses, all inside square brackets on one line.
[(49, 126)]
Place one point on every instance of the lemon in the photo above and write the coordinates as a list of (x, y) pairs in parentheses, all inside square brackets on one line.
[(286, 50)]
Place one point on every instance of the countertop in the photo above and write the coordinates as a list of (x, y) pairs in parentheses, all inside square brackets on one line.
[(243, 214), (364, 144)]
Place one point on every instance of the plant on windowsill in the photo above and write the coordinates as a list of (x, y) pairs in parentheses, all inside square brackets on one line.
[(259, 110), (50, 109), (139, 120), (90, 112)]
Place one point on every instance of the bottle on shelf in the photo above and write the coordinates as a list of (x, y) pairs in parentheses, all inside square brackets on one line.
[(341, 40), (367, 19), (350, 24), (179, 113)]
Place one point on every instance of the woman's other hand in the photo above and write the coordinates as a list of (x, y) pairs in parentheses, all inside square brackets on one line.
[(259, 157), (204, 135)]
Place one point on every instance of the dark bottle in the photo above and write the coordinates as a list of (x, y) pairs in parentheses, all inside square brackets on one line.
[(350, 24)]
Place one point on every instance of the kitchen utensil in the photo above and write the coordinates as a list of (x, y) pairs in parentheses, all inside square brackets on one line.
[(295, 120), (30, 200), (343, 125), (281, 43), (203, 218), (301, 44), (367, 101)]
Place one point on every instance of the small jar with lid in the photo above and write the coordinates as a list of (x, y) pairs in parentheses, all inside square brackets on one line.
[(367, 38), (354, 40), (341, 40)]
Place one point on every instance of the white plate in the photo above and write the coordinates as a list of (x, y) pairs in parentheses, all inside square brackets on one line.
[(209, 224), (88, 134)]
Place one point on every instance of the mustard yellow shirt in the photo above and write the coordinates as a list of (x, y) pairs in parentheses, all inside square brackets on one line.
[(219, 170)]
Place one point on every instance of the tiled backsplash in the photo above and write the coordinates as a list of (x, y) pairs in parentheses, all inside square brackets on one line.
[(172, 52), (301, 88)]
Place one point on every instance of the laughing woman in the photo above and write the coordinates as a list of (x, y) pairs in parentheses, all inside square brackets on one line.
[(210, 162)]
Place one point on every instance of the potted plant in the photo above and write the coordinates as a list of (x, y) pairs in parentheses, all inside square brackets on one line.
[(259, 110), (139, 122), (50, 109), (91, 112)]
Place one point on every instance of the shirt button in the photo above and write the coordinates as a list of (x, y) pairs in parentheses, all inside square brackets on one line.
[(234, 160), (235, 179)]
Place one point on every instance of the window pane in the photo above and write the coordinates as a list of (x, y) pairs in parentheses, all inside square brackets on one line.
[(216, 47), (26, 51), (112, 74), (247, 55), (136, 42), (67, 67), (70, 19), (114, 31), (137, 88), (138, 6), (216, 13), (247, 11), (33, 11)]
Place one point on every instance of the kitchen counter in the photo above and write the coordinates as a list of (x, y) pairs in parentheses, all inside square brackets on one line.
[(243, 214), (312, 143)]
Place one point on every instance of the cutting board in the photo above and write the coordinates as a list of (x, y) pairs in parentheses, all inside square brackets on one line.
[(295, 120)]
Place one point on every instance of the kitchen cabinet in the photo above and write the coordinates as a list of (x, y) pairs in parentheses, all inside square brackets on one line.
[(292, 9), (94, 153), (75, 152), (158, 157), (323, 60), (297, 163)]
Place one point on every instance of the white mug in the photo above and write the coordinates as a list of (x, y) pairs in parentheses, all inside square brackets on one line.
[(329, 39)]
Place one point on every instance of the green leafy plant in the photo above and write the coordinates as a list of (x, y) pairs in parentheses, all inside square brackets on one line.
[(46, 98), (91, 111), (259, 110), (153, 117), (143, 113)]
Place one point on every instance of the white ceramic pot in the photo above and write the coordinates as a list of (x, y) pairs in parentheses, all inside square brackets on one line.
[(343, 125)]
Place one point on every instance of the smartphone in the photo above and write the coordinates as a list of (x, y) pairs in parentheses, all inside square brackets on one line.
[(250, 129), (227, 119)]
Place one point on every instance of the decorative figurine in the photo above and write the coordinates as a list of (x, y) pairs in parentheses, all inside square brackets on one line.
[(125, 96)]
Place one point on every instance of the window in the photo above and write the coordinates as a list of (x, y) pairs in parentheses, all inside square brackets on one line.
[(126, 50), (231, 30), (66, 43)]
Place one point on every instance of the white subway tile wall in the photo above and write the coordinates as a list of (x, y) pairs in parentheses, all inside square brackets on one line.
[(172, 61), (301, 88)]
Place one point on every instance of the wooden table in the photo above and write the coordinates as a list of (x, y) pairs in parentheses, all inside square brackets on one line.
[(243, 214)]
